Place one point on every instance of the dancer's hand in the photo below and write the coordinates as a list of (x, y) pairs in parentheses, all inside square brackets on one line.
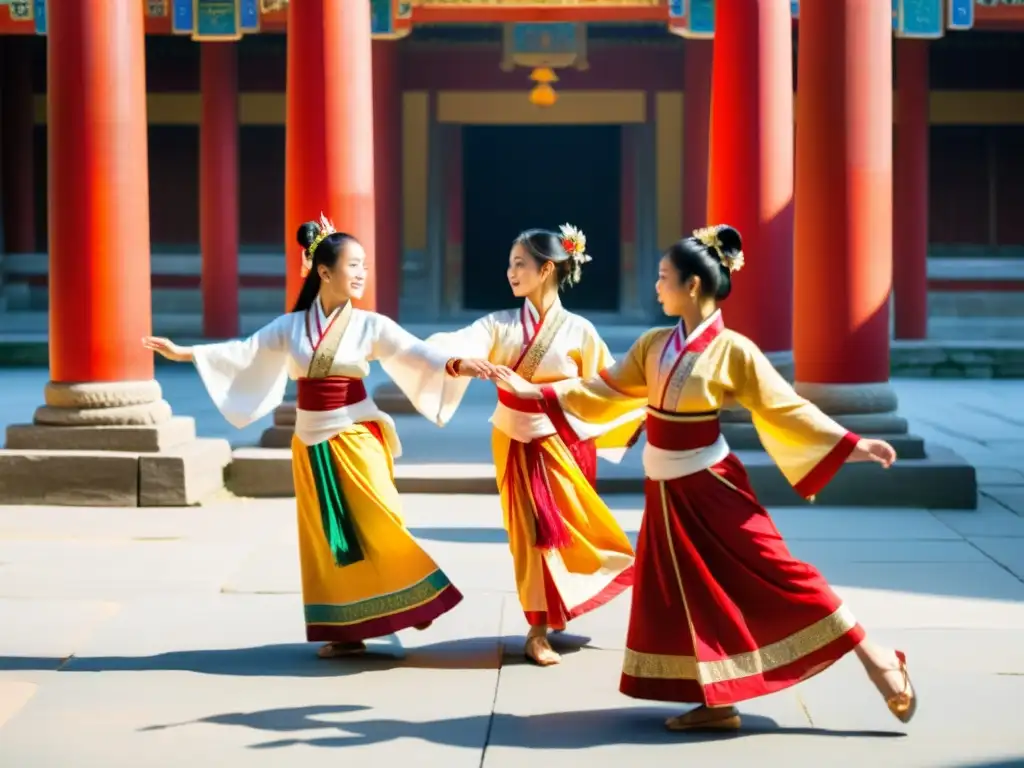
[(877, 451), (480, 369), (167, 348), (520, 386)]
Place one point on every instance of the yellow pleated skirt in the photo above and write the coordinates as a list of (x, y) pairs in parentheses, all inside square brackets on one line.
[(396, 585), (556, 585)]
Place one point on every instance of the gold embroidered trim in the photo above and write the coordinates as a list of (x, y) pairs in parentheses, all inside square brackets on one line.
[(659, 666), (323, 357), (542, 343), (774, 656), (674, 386), (682, 417)]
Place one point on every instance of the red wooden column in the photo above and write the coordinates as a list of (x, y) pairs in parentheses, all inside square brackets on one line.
[(751, 161), (843, 259), (16, 141), (910, 190), (329, 134), (99, 192), (329, 144), (454, 215), (696, 127), (218, 188), (123, 447), (387, 162)]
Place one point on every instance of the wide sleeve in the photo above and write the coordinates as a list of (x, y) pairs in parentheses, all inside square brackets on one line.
[(594, 355), (621, 433), (608, 396), (808, 446), (417, 368), (246, 378), (476, 341)]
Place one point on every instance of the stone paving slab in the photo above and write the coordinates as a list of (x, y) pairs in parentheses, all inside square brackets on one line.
[(118, 570), (1007, 552), (990, 519), (196, 655)]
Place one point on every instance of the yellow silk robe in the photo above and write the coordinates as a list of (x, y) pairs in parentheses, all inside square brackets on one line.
[(554, 585)]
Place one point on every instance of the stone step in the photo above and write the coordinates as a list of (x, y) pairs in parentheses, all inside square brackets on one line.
[(183, 475), (941, 481)]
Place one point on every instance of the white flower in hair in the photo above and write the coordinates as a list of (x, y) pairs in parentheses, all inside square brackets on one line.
[(326, 227), (575, 243)]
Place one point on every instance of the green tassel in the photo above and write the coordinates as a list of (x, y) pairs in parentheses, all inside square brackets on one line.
[(337, 524)]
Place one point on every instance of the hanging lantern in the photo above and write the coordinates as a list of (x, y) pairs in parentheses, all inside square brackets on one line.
[(543, 94)]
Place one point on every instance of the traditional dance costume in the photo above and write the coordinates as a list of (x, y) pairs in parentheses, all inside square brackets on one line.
[(363, 575), (721, 612), (570, 554)]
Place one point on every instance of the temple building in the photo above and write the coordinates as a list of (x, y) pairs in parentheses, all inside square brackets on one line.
[(163, 153)]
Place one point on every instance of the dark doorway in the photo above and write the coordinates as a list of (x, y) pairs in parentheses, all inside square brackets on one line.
[(517, 177)]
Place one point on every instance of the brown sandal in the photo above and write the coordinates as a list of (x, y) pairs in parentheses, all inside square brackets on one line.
[(706, 719), (903, 705), (337, 650)]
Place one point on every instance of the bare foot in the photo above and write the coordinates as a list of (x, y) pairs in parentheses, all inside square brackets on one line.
[(539, 650), (424, 625), (706, 719), (336, 650)]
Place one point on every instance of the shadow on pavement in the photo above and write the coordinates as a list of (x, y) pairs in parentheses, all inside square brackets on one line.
[(559, 730), (300, 659)]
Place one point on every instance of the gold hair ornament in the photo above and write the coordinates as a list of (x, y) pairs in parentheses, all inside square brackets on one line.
[(709, 237), (326, 228), (575, 243)]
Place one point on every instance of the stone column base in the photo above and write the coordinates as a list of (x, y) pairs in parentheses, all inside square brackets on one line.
[(280, 434), (109, 444), (389, 398)]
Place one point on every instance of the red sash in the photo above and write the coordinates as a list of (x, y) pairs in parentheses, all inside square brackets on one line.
[(329, 394)]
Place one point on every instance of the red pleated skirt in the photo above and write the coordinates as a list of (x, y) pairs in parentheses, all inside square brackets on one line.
[(722, 612)]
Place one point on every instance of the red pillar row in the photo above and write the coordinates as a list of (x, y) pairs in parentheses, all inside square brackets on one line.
[(843, 259), (696, 125), (751, 159), (387, 181), (218, 188), (910, 190), (329, 138), (16, 143), (99, 192)]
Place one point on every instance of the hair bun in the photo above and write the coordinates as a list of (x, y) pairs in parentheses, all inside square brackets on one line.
[(307, 234), (730, 239)]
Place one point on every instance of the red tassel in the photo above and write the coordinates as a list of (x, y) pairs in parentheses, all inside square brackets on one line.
[(585, 454), (551, 531)]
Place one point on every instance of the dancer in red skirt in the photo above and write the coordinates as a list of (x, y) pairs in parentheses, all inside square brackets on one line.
[(722, 612)]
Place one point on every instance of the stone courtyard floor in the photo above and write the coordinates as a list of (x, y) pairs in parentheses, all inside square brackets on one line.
[(173, 637)]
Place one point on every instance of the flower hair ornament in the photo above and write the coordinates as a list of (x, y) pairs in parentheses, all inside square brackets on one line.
[(708, 236), (574, 243), (326, 228)]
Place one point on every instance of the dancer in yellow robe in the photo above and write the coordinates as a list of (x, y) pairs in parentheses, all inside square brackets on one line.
[(570, 554), (363, 575)]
